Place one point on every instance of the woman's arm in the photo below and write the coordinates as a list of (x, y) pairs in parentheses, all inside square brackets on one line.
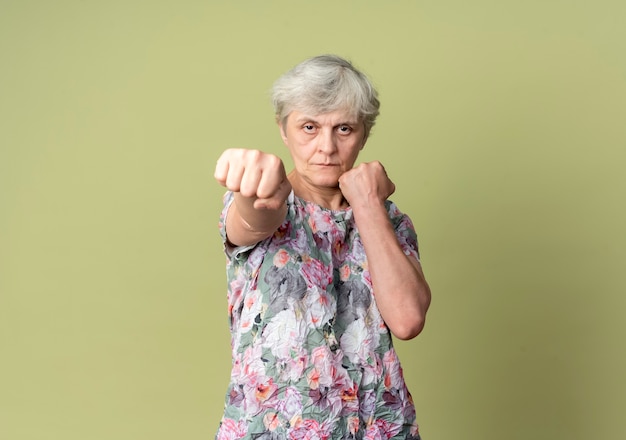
[(402, 293), (260, 186)]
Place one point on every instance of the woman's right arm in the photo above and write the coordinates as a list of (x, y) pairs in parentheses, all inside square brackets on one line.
[(260, 186)]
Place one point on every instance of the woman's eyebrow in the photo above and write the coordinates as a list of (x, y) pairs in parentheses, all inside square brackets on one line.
[(305, 118)]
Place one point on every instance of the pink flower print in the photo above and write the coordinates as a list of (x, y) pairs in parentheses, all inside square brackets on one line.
[(300, 244), (353, 425), (236, 396), (388, 380), (324, 363), (382, 327), (246, 324), (313, 379), (252, 308), (327, 401), (271, 421), (282, 232), (388, 429), (234, 294), (253, 364), (344, 404), (232, 430), (251, 300), (348, 394), (294, 367), (281, 258), (320, 306), (393, 372), (394, 399), (339, 246), (308, 208), (296, 421), (312, 224), (415, 430), (350, 399), (321, 221), (316, 274), (290, 404), (319, 355), (236, 370), (260, 392), (372, 433), (309, 429), (263, 391), (254, 260), (344, 272)]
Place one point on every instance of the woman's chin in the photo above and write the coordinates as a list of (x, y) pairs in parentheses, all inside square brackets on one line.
[(326, 183), (320, 180)]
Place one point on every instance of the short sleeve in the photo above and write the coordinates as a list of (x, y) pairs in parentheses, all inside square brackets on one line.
[(405, 231), (233, 253)]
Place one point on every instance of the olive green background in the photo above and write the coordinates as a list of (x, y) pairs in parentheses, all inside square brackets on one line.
[(503, 125)]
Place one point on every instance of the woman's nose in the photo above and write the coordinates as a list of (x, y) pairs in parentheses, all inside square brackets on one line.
[(326, 142)]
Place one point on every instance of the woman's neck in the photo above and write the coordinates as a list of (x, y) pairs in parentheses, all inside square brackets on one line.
[(327, 197)]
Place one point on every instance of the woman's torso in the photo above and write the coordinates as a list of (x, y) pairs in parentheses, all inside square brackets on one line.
[(311, 353)]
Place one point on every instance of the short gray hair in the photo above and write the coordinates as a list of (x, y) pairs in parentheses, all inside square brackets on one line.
[(324, 84)]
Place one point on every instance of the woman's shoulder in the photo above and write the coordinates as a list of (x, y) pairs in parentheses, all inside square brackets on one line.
[(392, 209)]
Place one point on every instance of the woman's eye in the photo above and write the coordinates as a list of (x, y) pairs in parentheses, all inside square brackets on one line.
[(308, 128), (344, 129)]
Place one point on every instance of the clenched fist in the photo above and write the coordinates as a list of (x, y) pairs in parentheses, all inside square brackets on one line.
[(255, 175), (366, 183)]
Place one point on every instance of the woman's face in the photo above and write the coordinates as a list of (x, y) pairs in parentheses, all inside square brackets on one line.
[(323, 147)]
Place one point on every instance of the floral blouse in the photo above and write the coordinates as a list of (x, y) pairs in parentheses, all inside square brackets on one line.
[(312, 357)]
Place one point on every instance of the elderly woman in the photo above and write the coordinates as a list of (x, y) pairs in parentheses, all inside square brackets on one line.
[(322, 270)]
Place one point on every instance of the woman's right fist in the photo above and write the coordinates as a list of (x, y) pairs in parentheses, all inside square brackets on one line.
[(254, 175)]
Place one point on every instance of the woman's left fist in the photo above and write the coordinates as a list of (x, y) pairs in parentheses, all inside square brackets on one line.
[(366, 183)]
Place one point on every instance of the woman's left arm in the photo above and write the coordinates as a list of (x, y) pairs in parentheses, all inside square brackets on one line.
[(402, 293)]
